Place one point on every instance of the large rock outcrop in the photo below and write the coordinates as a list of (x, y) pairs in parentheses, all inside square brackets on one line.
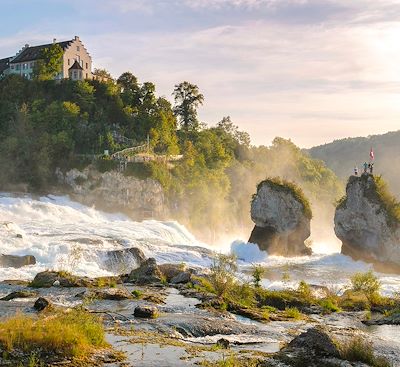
[(367, 224), (113, 190), (12, 261), (282, 219)]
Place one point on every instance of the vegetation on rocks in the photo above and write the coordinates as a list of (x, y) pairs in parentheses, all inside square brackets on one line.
[(291, 188), (46, 124)]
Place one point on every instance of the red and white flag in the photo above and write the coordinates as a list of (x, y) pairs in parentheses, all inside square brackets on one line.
[(371, 154)]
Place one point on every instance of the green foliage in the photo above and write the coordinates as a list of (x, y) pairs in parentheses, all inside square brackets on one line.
[(390, 203), (136, 293), (359, 349), (293, 313), (187, 100), (304, 289), (367, 283), (71, 334), (329, 305), (257, 274), (222, 275), (50, 63)]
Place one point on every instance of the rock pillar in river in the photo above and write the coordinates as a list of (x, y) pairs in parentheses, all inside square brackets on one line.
[(367, 221), (282, 217)]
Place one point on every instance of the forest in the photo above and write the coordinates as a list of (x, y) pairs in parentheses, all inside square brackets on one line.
[(45, 124)]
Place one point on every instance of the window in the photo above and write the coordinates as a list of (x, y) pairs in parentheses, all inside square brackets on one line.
[(78, 48), (69, 63), (25, 66), (86, 76), (75, 74), (86, 66), (12, 67), (17, 67)]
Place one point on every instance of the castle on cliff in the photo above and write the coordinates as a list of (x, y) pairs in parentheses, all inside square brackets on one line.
[(76, 61)]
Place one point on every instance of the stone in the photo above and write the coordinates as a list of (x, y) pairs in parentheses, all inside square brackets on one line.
[(112, 294), (282, 223), (19, 294), (316, 340), (120, 260), (365, 227), (181, 278), (147, 273), (223, 343), (41, 303), (47, 279), (12, 261), (114, 191), (171, 270), (146, 312)]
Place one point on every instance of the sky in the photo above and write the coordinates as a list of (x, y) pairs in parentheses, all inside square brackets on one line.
[(309, 70)]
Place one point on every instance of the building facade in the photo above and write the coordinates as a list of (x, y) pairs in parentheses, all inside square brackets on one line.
[(76, 61)]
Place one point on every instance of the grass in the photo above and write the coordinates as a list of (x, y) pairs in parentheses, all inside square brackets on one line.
[(288, 187), (293, 313), (68, 334), (136, 293), (329, 305), (359, 349)]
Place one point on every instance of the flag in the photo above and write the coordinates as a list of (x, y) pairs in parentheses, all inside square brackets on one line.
[(371, 154)]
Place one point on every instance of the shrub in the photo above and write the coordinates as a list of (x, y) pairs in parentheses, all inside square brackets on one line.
[(304, 290), (293, 313), (70, 334), (329, 305), (360, 350), (223, 271), (258, 272), (136, 293), (367, 283)]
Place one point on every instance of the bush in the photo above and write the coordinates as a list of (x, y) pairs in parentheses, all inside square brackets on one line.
[(223, 271), (329, 305), (293, 313), (304, 290), (360, 350), (367, 283), (257, 274), (70, 334)]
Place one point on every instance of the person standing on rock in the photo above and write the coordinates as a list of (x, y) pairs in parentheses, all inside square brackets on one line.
[(365, 167), (371, 168), (355, 171)]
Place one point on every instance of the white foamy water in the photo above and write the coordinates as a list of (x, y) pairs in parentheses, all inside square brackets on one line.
[(65, 235)]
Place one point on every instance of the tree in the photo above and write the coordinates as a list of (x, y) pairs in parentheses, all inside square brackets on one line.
[(102, 74), (49, 64), (187, 99)]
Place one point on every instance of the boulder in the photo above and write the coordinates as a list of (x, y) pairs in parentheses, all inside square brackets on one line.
[(19, 294), (41, 303), (12, 261), (171, 270), (146, 312), (223, 343), (316, 340), (112, 294), (147, 273), (122, 261), (115, 191), (47, 279), (282, 219), (365, 224), (182, 278)]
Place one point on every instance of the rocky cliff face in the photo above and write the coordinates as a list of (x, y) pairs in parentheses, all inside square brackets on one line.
[(114, 191), (367, 230), (281, 223)]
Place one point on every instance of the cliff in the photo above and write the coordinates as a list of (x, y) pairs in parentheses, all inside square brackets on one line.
[(114, 191), (367, 221), (282, 219)]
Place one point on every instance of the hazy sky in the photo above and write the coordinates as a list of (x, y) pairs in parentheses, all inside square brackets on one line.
[(309, 70)]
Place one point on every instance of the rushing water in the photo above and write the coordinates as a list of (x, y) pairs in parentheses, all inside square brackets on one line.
[(63, 234)]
